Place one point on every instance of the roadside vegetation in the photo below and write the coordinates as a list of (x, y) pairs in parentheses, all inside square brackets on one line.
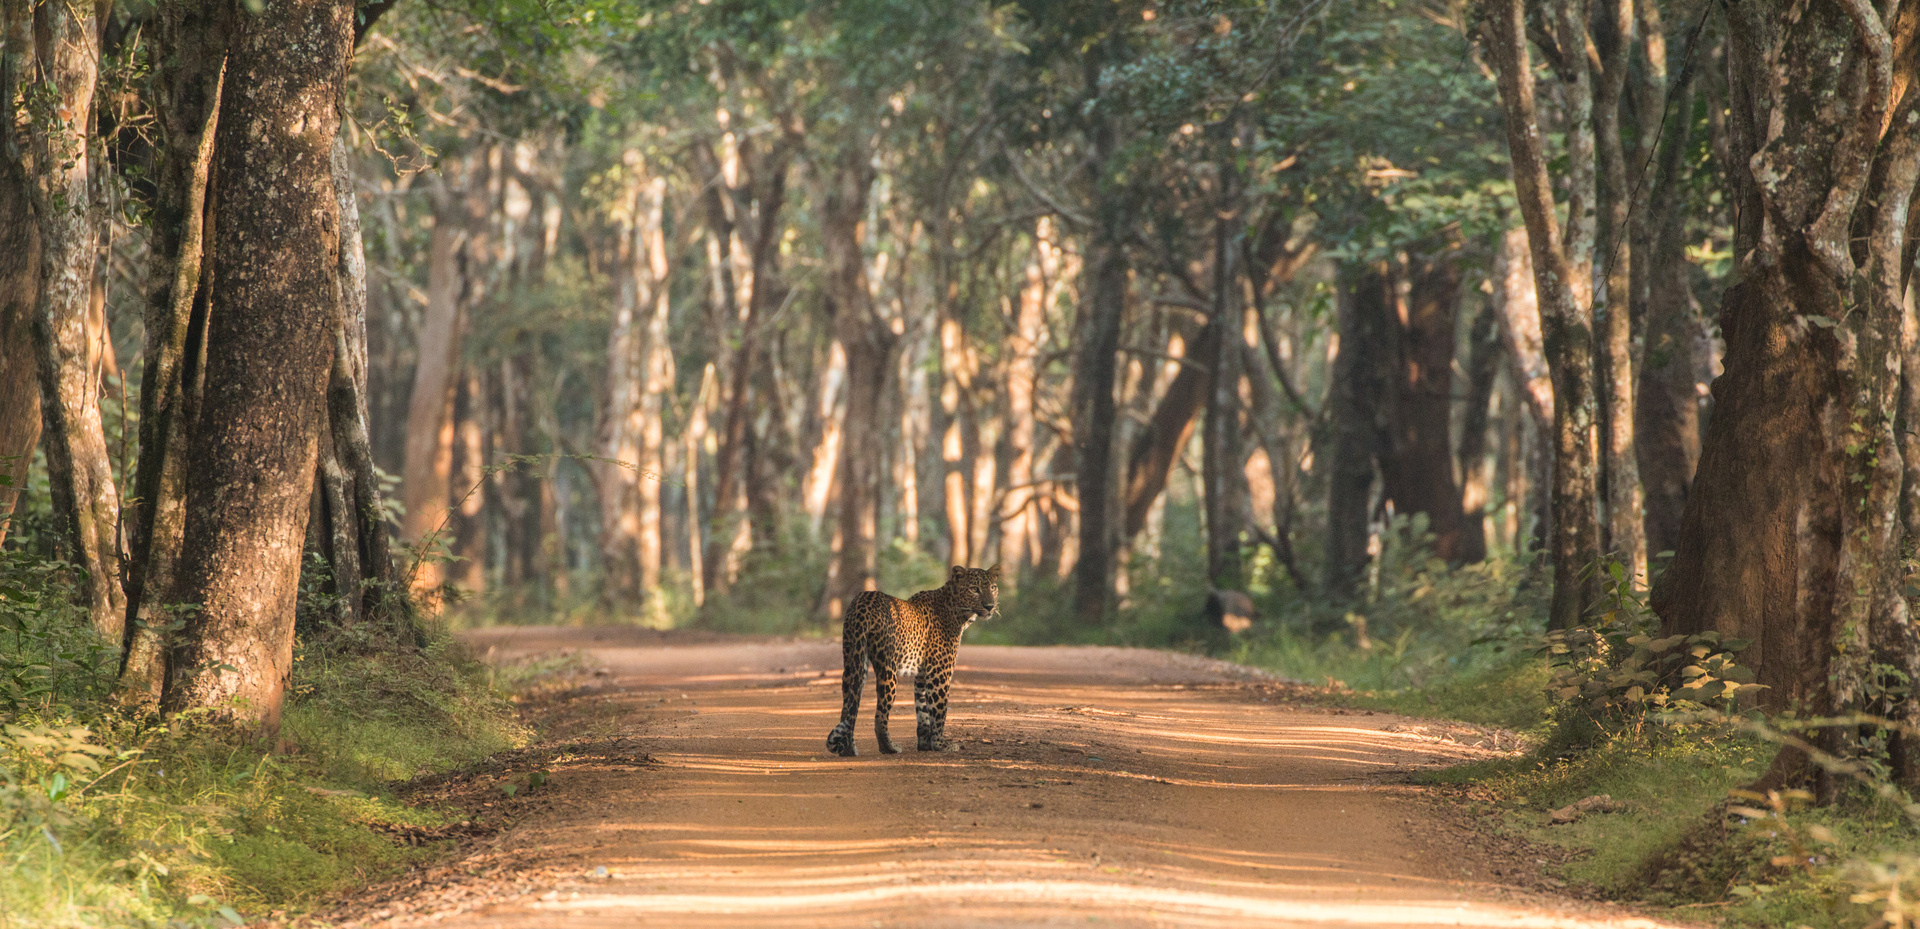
[(116, 818)]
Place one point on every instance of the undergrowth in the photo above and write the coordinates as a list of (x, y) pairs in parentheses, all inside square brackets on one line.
[(108, 819)]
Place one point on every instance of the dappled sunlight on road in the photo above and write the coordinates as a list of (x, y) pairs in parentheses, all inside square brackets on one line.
[(1135, 788)]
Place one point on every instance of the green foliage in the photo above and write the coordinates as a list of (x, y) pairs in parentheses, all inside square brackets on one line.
[(108, 819)]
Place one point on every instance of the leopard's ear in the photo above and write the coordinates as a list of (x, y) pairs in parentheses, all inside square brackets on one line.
[(957, 570), (994, 572)]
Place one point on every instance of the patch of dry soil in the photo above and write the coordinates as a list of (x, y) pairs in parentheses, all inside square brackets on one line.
[(1094, 786)]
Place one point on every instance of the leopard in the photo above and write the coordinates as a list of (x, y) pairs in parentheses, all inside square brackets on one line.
[(920, 636)]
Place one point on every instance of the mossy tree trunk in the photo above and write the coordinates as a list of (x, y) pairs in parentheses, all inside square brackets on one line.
[(1792, 536)]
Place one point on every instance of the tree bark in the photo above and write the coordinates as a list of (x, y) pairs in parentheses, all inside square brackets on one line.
[(1667, 403), (1355, 418), (269, 352), (869, 344), (1416, 458), (1562, 273), (1223, 459), (19, 293), (426, 475), (57, 64), (1626, 538), (1791, 537), (630, 557), (1483, 369), (1168, 430)]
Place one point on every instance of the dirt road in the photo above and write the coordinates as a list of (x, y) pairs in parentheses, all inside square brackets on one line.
[(1094, 786)]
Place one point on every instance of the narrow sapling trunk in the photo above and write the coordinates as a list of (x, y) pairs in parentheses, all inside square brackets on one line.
[(270, 346)]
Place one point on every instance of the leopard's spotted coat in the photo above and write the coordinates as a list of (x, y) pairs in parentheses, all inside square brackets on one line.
[(918, 636)]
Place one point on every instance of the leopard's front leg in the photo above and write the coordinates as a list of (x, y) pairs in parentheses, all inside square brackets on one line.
[(930, 688)]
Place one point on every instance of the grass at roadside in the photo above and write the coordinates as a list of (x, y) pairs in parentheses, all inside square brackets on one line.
[(107, 820)]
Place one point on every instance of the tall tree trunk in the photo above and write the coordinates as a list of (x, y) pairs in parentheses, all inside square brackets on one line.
[(426, 476), (1792, 536), (1667, 404), (1355, 418), (1563, 274), (1416, 463), (869, 344), (57, 64), (1019, 518), (467, 524), (734, 465), (1223, 458), (960, 440), (191, 81), (269, 353), (1626, 537), (1096, 346), (1483, 369), (19, 292), (628, 412)]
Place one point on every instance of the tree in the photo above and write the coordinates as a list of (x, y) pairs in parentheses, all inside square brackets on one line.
[(1562, 274), (1792, 534), (51, 63), (270, 341)]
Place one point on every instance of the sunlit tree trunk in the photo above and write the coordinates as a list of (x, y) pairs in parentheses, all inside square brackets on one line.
[(426, 478), (960, 440), (269, 353), (869, 344), (466, 532), (55, 67), (19, 291), (1019, 518), (1483, 369), (1792, 535), (1563, 275), (630, 427)]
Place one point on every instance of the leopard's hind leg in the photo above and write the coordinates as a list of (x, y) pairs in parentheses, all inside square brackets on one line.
[(853, 680), (885, 680)]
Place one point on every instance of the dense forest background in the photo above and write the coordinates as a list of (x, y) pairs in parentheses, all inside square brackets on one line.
[(1431, 336)]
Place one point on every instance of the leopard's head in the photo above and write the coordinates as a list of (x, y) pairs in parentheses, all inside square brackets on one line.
[(975, 590)]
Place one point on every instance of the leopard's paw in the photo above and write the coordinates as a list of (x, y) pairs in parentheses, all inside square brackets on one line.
[(841, 743)]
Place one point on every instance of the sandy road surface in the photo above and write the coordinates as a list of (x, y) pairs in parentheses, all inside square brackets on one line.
[(1095, 786)]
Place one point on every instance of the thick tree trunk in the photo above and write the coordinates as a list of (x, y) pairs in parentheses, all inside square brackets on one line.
[(1416, 458), (960, 440), (191, 78), (1096, 346), (58, 65), (269, 353), (1562, 273), (1792, 536), (467, 525), (1355, 418), (869, 344), (1019, 514), (629, 515), (734, 464)]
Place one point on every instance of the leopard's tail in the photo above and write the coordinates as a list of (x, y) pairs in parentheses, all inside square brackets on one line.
[(853, 680)]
